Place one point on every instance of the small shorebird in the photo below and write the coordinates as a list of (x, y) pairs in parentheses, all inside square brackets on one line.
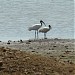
[(36, 27), (45, 30)]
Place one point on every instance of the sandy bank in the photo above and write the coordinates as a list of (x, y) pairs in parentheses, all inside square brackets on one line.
[(62, 49), (16, 62)]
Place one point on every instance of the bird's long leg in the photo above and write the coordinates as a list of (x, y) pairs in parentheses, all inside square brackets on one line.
[(44, 35), (35, 34)]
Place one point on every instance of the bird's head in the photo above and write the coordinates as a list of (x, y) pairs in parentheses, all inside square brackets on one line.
[(42, 22), (50, 27)]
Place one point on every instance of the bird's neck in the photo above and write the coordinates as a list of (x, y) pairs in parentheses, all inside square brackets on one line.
[(41, 24), (49, 28)]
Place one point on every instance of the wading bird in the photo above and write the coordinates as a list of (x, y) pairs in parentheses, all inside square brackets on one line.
[(45, 30), (36, 27)]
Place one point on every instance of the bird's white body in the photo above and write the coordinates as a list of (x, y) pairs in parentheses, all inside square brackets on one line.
[(35, 27), (44, 29)]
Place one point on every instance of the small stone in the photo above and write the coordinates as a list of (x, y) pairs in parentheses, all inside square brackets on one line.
[(71, 62), (66, 47), (8, 43), (56, 39), (4, 50), (21, 41), (1, 63), (27, 42), (62, 56), (33, 51), (37, 48), (55, 46), (70, 70), (27, 58), (30, 47), (48, 53)]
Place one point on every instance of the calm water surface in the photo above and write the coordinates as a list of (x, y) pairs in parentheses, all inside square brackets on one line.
[(17, 15)]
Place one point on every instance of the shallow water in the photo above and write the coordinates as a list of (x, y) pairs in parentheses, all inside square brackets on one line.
[(17, 15)]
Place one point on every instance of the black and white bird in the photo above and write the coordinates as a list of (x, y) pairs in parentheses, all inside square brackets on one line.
[(36, 27), (45, 30)]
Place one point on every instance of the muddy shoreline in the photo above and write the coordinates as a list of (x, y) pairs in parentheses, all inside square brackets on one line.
[(38, 57), (62, 49)]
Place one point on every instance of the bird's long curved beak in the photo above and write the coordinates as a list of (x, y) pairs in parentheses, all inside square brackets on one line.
[(44, 23)]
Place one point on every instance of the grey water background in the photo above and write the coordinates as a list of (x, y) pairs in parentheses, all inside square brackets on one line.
[(17, 15)]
